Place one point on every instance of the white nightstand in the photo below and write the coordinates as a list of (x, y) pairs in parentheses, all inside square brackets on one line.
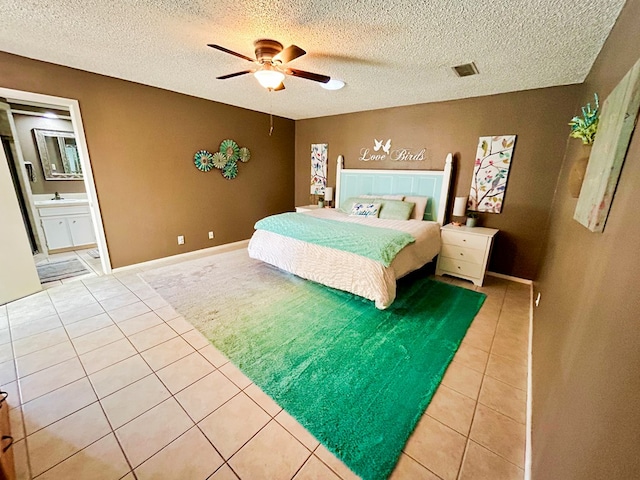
[(307, 208), (465, 252)]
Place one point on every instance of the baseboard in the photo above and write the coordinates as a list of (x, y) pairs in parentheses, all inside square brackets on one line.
[(528, 451), (71, 249), (158, 262), (528, 459), (511, 278)]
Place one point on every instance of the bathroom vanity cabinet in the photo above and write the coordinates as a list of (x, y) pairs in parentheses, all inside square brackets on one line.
[(66, 224)]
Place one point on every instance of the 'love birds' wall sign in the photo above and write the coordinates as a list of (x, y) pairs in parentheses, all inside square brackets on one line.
[(382, 150)]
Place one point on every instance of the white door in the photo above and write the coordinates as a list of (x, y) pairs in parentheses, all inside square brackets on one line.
[(18, 274)]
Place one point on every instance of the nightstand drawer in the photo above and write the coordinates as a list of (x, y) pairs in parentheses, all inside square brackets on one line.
[(454, 266), (471, 255), (464, 240)]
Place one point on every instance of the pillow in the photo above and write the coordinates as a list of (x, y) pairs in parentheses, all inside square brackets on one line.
[(421, 205), (365, 210), (396, 210), (347, 205)]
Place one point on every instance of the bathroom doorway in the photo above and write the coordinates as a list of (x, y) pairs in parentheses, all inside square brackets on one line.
[(56, 190)]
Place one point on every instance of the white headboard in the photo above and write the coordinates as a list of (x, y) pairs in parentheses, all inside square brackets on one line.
[(429, 183)]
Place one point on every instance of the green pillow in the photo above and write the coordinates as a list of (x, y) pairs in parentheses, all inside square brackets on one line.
[(395, 209)]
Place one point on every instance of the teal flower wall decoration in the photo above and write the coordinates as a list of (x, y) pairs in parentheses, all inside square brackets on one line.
[(226, 159), (203, 160), (230, 170), (229, 149), (585, 127), (219, 160)]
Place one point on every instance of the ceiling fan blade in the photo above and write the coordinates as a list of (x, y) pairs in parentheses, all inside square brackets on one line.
[(231, 75), (279, 87), (226, 50), (290, 53), (316, 77)]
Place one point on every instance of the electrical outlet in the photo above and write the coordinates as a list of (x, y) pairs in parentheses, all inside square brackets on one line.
[(210, 235), (180, 239)]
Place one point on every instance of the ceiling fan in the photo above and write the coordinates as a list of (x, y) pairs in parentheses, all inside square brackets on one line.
[(270, 60)]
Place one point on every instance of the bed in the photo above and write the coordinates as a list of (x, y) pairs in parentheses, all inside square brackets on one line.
[(340, 267)]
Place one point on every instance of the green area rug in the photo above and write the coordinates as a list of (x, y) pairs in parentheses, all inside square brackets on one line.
[(357, 378)]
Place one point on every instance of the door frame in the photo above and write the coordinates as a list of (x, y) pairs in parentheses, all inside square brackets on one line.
[(23, 180), (85, 161)]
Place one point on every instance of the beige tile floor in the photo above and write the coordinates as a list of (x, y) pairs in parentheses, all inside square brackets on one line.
[(107, 381)]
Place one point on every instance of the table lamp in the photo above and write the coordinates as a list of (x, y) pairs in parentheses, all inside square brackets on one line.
[(328, 196)]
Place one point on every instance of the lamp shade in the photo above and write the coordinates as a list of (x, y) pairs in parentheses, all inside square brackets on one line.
[(328, 194), (460, 207), (269, 78)]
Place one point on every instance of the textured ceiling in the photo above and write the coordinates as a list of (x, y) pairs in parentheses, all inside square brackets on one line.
[(389, 52)]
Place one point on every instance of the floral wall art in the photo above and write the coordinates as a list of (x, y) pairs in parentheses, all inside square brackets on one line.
[(318, 168), (490, 173)]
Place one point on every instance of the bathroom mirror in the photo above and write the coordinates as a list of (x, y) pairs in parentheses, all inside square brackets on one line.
[(58, 154)]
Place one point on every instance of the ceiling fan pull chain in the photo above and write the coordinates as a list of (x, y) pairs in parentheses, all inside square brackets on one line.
[(270, 114)]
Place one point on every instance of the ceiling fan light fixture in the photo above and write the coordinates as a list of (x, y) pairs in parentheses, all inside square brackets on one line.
[(271, 60), (333, 84), (269, 78)]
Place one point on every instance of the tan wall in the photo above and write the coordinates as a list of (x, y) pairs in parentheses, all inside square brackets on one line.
[(24, 126), (141, 142), (538, 117), (586, 350)]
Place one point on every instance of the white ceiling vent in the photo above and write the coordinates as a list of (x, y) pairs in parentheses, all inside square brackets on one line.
[(466, 70)]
